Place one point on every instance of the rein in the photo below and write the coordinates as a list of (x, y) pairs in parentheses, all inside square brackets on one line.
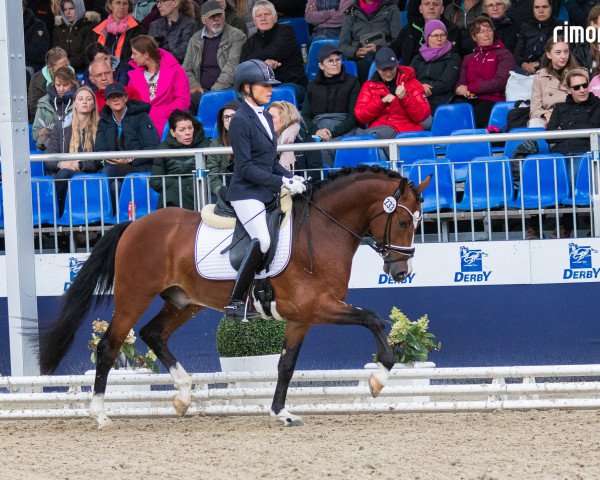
[(383, 248)]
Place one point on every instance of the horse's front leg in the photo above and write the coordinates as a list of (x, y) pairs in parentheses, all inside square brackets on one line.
[(294, 336), (344, 314)]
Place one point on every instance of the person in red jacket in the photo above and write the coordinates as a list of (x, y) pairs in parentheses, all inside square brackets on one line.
[(484, 73), (392, 100)]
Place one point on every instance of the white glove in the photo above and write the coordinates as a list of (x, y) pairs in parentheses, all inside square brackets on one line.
[(298, 178), (293, 185)]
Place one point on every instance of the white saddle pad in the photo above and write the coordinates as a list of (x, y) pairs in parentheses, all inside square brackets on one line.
[(212, 265)]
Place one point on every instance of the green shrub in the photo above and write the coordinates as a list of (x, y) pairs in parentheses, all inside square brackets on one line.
[(248, 339)]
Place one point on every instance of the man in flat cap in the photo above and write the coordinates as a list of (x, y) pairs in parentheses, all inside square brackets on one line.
[(212, 54)]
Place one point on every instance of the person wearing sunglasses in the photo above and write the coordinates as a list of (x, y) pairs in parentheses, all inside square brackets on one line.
[(579, 110)]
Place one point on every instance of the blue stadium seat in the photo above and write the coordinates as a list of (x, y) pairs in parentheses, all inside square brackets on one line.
[(511, 145), (88, 197), (356, 156), (283, 94), (488, 178), (460, 154), (552, 174), (165, 132), (210, 104), (1, 207), (300, 28), (136, 188), (409, 154), (350, 67), (43, 201), (498, 115), (448, 118), (37, 169), (581, 192), (312, 62), (372, 69), (440, 193)]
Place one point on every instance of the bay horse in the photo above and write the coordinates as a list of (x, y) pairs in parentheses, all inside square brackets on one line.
[(154, 255)]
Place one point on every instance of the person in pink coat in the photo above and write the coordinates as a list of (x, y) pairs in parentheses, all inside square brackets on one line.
[(160, 80)]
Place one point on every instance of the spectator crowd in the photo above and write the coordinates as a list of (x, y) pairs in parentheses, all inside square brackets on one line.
[(119, 75)]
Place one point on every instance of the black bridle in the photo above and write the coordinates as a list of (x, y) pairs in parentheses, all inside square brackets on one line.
[(383, 248)]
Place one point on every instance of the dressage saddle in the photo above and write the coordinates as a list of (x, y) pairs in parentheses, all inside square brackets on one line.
[(240, 241)]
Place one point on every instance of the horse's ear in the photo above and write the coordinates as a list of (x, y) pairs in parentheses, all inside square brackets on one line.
[(425, 183)]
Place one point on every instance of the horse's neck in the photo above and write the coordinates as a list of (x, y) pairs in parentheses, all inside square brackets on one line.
[(350, 206)]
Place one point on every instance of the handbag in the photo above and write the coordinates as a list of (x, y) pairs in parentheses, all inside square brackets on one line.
[(518, 87), (378, 38), (518, 116)]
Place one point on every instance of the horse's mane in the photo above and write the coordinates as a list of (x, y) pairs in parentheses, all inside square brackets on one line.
[(335, 181)]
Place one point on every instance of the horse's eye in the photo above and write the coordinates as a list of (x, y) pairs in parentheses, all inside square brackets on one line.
[(402, 224)]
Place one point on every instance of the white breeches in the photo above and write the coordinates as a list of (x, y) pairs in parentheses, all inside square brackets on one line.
[(254, 218)]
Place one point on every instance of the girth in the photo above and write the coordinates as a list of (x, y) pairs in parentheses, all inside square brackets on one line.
[(241, 240)]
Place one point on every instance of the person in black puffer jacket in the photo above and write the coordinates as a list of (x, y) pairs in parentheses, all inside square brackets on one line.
[(73, 31), (581, 110), (437, 66), (532, 37), (185, 132), (136, 132), (328, 109)]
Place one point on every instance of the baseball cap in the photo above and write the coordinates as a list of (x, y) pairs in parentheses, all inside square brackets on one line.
[(211, 8), (114, 89), (385, 58), (327, 50)]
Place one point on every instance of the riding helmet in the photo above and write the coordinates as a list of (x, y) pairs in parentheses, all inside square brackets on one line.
[(253, 71)]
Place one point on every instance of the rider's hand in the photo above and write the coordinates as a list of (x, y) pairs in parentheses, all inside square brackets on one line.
[(298, 178), (294, 186)]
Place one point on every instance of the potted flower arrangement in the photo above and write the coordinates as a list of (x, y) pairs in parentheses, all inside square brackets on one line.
[(250, 347), (411, 343), (130, 361), (129, 357)]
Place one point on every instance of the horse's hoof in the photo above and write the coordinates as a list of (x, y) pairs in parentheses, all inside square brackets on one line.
[(104, 423), (375, 385), (180, 406), (287, 418), (293, 421)]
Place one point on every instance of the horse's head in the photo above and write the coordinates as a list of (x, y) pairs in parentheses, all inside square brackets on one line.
[(393, 226)]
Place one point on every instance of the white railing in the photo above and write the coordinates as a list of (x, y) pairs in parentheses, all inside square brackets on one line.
[(453, 390)]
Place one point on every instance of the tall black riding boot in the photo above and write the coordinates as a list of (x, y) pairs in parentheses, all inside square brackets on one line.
[(237, 305)]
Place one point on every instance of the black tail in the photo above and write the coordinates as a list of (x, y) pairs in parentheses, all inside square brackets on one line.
[(97, 275)]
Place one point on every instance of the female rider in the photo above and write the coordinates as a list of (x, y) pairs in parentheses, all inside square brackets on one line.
[(257, 176)]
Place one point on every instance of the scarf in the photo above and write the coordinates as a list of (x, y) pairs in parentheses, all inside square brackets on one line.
[(115, 28), (433, 53), (369, 9), (288, 159)]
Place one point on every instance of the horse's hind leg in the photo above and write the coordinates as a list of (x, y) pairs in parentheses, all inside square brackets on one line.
[(156, 335), (107, 351)]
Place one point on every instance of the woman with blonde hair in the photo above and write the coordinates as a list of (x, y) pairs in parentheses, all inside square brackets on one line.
[(287, 122), (75, 133), (176, 25)]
